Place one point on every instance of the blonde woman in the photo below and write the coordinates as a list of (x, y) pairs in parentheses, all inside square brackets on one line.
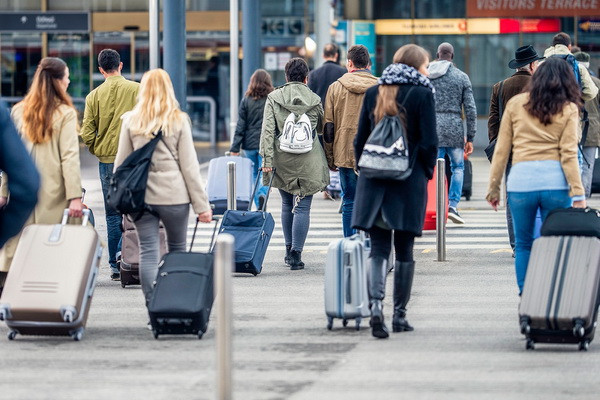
[(174, 179), (47, 123)]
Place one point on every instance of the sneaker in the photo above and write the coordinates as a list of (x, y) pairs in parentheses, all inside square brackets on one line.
[(115, 276), (454, 216)]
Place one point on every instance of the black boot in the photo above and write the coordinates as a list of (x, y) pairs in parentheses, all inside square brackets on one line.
[(403, 277), (288, 249), (377, 273), (295, 260)]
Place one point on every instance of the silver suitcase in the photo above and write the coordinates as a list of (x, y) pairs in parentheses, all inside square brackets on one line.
[(346, 295)]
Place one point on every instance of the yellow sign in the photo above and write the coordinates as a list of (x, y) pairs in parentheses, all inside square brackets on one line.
[(458, 26)]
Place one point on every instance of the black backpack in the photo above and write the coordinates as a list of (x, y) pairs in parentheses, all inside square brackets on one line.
[(127, 188)]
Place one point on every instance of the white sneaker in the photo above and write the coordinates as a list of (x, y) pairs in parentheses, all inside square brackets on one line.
[(454, 216)]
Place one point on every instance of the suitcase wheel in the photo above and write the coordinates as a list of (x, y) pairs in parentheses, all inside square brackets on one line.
[(123, 285), (530, 344), (200, 334), (329, 323), (357, 324), (344, 323), (155, 333), (584, 346), (78, 335), (579, 330), (525, 328), (11, 335)]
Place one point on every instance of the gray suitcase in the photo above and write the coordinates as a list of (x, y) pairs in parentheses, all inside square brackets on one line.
[(51, 281), (559, 303), (346, 294)]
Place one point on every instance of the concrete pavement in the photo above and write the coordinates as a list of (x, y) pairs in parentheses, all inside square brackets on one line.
[(466, 343)]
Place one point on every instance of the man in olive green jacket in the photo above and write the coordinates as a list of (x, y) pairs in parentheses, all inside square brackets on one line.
[(100, 130), (342, 109)]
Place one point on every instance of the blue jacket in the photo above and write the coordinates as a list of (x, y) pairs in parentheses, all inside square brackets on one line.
[(24, 178)]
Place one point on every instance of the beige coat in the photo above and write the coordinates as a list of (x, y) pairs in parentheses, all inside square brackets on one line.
[(171, 180), (530, 140), (58, 163)]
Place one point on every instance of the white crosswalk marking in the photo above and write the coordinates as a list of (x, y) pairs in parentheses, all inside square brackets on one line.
[(485, 230)]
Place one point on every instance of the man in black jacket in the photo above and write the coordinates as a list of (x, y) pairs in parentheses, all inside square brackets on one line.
[(24, 181), (319, 79)]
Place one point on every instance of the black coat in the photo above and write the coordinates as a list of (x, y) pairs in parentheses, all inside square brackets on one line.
[(401, 203), (249, 125), (321, 78)]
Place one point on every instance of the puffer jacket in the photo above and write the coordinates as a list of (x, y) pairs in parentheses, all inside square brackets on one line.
[(453, 92), (342, 110), (247, 131), (593, 109), (297, 174), (588, 89)]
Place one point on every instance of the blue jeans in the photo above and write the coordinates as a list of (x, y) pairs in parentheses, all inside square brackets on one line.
[(524, 207), (457, 165), (295, 219), (113, 218), (348, 181), (257, 160)]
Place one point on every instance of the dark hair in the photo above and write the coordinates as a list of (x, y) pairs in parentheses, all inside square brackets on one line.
[(260, 85), (561, 38), (359, 55), (330, 50), (551, 87), (296, 70), (109, 60)]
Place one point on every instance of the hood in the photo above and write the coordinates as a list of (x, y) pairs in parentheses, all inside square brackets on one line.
[(295, 97), (438, 68), (558, 49), (358, 82)]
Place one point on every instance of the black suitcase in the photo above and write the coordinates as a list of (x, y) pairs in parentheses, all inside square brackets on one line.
[(467, 189), (183, 293)]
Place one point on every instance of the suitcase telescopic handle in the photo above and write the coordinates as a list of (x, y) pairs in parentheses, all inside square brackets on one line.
[(212, 239), (258, 176), (84, 221)]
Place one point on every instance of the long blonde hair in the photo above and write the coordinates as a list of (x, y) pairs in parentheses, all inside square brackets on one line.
[(156, 108), (411, 55)]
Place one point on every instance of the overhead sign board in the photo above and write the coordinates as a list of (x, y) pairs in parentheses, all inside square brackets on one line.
[(532, 8), (472, 26), (589, 25), (44, 22)]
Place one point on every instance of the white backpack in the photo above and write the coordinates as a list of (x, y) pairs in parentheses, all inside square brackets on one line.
[(297, 136)]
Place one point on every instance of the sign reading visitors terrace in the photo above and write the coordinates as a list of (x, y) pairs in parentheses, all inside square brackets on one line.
[(44, 22), (532, 8)]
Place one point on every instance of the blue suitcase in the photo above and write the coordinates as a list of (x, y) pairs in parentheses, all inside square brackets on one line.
[(252, 231)]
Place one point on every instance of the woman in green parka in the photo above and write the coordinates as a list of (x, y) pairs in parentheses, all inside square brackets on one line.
[(297, 176)]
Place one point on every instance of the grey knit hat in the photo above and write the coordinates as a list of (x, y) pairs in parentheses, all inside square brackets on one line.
[(582, 56)]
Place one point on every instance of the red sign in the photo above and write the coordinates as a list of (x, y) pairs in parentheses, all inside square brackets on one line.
[(532, 8), (529, 25)]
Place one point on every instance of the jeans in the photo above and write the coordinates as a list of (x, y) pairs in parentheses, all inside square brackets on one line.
[(174, 218), (587, 169), (295, 219), (524, 206), (257, 160), (348, 180), (457, 165), (113, 218)]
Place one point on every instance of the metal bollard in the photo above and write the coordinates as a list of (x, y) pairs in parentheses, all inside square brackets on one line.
[(440, 218), (231, 200), (224, 258)]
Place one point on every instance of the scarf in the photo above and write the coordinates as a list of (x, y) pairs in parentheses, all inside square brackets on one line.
[(395, 74)]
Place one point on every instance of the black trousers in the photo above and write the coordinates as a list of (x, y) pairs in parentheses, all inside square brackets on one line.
[(381, 243)]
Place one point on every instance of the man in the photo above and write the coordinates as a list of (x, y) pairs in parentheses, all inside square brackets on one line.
[(525, 62), (453, 95), (100, 130), (319, 79), (24, 182), (561, 47), (592, 140), (342, 109)]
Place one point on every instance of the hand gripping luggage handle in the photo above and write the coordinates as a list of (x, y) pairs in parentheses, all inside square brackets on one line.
[(258, 176), (212, 239), (84, 221)]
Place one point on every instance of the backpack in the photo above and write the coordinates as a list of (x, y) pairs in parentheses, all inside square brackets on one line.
[(297, 137), (574, 65), (127, 187), (385, 155)]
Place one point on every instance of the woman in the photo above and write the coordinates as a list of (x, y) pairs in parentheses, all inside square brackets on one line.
[(382, 206), (540, 128), (47, 123), (174, 179), (297, 176), (247, 132)]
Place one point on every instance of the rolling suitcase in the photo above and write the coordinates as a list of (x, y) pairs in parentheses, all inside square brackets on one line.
[(252, 231), (183, 293), (216, 187), (346, 295), (51, 281), (559, 303), (129, 262)]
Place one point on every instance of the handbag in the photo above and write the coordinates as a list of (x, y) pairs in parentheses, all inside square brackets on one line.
[(572, 222)]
